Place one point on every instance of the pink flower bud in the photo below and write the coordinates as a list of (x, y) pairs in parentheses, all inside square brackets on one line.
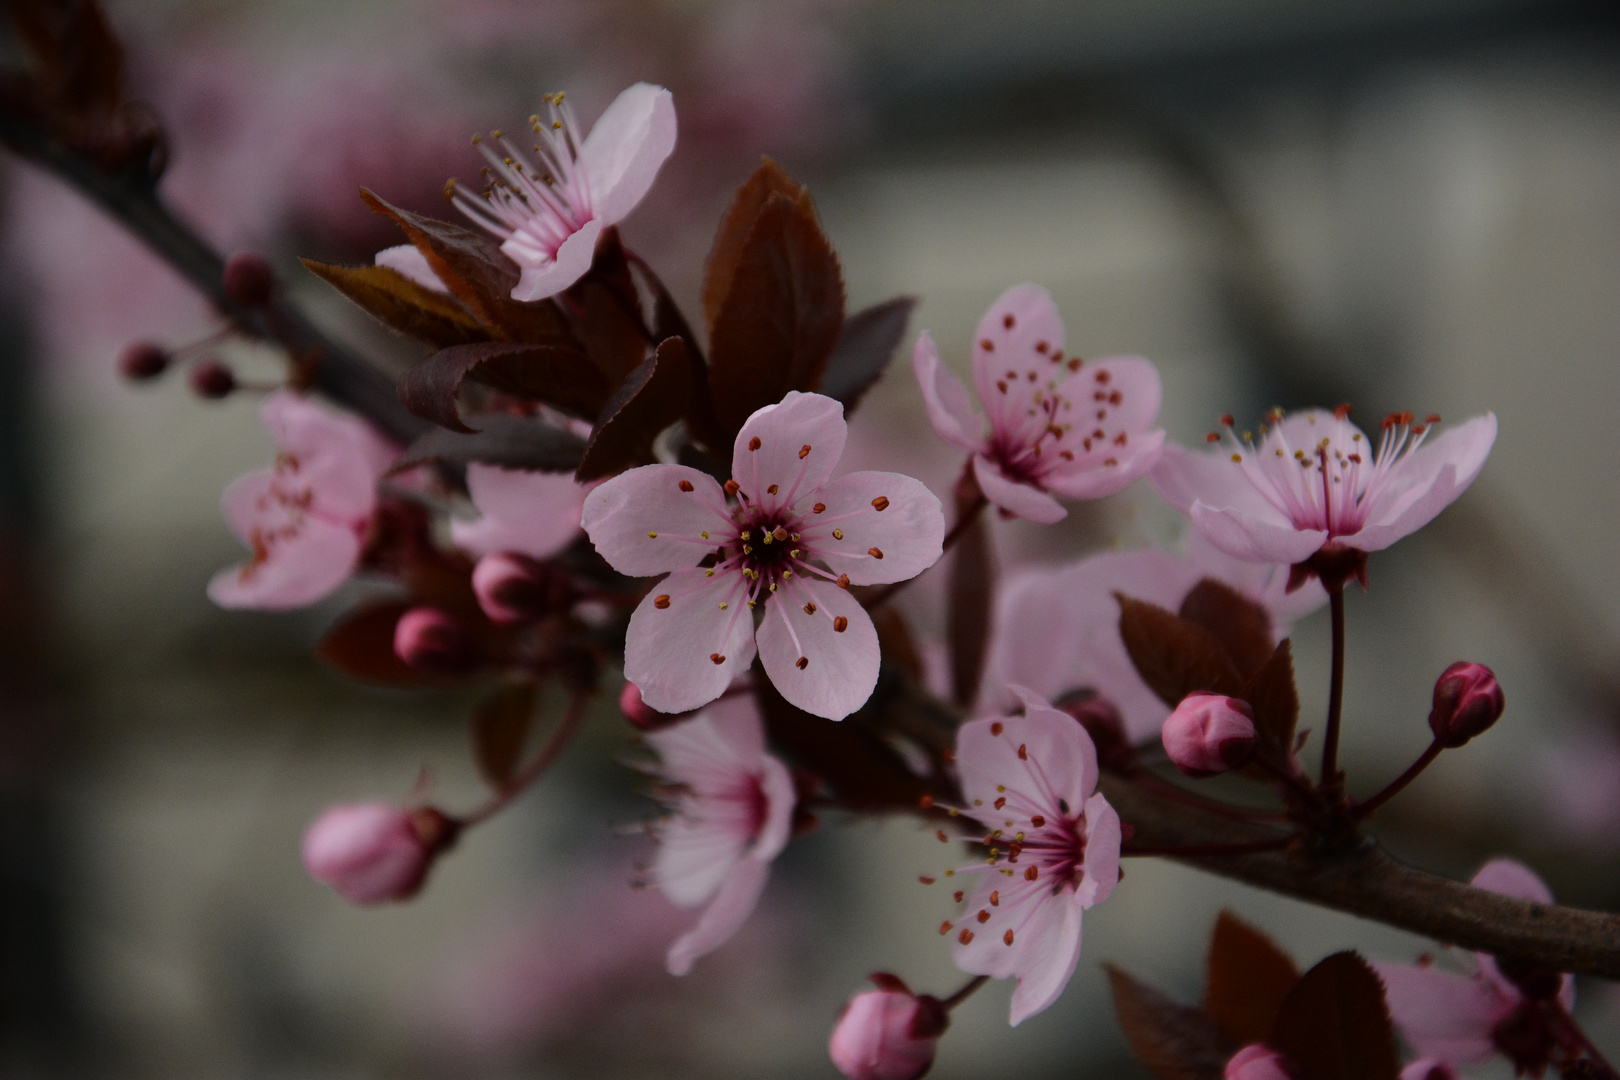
[(211, 379), (1467, 701), (373, 852), (426, 637), (248, 279), (1429, 1069), (1257, 1061), (1209, 734), (511, 588), (142, 360), (887, 1034)]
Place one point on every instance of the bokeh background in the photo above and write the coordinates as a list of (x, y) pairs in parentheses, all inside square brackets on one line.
[(1409, 204)]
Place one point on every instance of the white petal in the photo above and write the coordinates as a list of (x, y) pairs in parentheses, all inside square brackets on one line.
[(1256, 539)]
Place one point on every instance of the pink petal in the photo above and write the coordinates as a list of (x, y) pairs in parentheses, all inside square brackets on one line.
[(1055, 942), (300, 570), (842, 666), (1018, 499), (338, 457), (1140, 392), (626, 148), (776, 782), (1088, 481), (1256, 539), (800, 441), (537, 281), (709, 751), (409, 262), (1442, 469), (1184, 477), (1059, 761), (1021, 906), (999, 349), (694, 859), (667, 650), (1446, 1016), (730, 909), (908, 530), (1509, 877), (530, 513), (1102, 852), (1429, 1068), (619, 514), (949, 409)]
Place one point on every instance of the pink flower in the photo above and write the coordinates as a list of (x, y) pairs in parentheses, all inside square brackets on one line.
[(1054, 849), (731, 815), (1058, 631), (1257, 1061), (695, 631), (373, 852), (529, 513), (1429, 1068), (1209, 734), (1057, 426), (305, 519), (1314, 481), (548, 213), (1459, 1019), (887, 1034)]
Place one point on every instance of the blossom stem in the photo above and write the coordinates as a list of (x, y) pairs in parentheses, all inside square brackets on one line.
[(1365, 809), (969, 515), (555, 744), (1330, 741), (1289, 779), (1154, 782), (1578, 1037), (966, 992), (1203, 850)]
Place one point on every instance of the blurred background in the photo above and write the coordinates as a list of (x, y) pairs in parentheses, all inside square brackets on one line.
[(1409, 204)]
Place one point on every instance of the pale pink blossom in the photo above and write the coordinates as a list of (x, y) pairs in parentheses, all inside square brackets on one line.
[(887, 1034), (372, 852), (1315, 481), (1257, 1061), (1454, 1018), (1054, 849), (1057, 631), (1057, 426), (731, 814), (527, 513), (1429, 1068), (304, 519), (790, 544), (1209, 734), (549, 211)]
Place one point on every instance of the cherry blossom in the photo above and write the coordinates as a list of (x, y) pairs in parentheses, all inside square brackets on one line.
[(305, 519), (1315, 482), (1031, 780), (548, 211), (1466, 1019), (372, 852), (526, 513), (888, 1033), (1057, 632), (732, 812), (1058, 426), (695, 630)]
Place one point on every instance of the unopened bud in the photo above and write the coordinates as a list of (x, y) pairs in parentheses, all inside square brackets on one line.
[(1467, 701), (427, 638), (1209, 734), (511, 588), (1102, 722), (1257, 1061), (642, 715), (142, 360), (1429, 1069), (212, 380), (887, 1034), (372, 852), (248, 279)]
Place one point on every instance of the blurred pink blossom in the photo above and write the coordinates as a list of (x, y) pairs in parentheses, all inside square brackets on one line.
[(1257, 1061), (527, 513)]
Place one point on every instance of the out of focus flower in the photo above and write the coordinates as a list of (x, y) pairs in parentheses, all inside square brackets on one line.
[(372, 852), (1257, 1061), (1209, 734), (428, 638), (1315, 482), (1058, 632), (694, 632), (1057, 426), (1054, 849), (732, 813), (1465, 1020), (1429, 1068), (1578, 788), (305, 518), (548, 213), (511, 588), (887, 1034), (530, 513), (1467, 701)]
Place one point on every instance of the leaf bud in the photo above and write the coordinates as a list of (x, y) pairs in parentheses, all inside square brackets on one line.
[(887, 1034), (372, 852), (1467, 701), (211, 379), (1257, 1061), (1209, 734), (426, 637), (142, 360), (248, 279)]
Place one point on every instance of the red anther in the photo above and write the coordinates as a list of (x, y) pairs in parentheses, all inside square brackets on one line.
[(1007, 938), (945, 927), (876, 553), (843, 583), (212, 380), (1432, 418), (1031, 873), (248, 279), (1038, 821), (1226, 420), (717, 658), (840, 624), (997, 728), (926, 802), (685, 485), (959, 895), (987, 345), (1023, 752), (1212, 437), (881, 503), (1342, 411), (1008, 321), (142, 360), (732, 487), (940, 835), (983, 916), (802, 662), (995, 898), (965, 937), (754, 443), (804, 451), (925, 879), (819, 508)]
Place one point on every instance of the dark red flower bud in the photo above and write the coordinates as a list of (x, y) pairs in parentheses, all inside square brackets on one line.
[(1467, 701), (248, 279), (212, 380), (428, 638), (142, 360)]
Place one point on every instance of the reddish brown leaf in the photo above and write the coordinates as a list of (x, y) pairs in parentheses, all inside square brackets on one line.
[(1174, 656), (781, 317), (604, 311), (1171, 1040), (512, 442), (650, 398), (668, 322), (895, 643), (1275, 700), (499, 727), (1242, 626), (361, 646), (1248, 979), (1334, 1024), (969, 593), (401, 304), (557, 376), (865, 346), (735, 226)]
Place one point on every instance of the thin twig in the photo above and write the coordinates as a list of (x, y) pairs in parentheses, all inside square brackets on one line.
[(1330, 739), (556, 743), (1363, 809)]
